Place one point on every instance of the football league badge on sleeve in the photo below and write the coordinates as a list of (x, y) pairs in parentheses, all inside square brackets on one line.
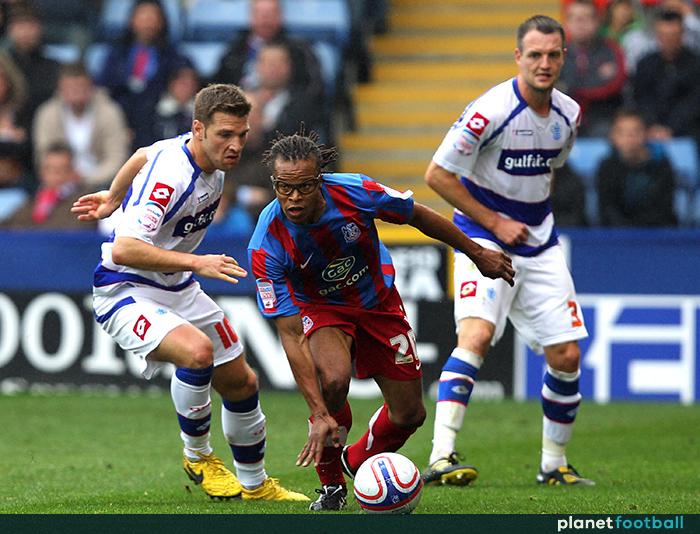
[(267, 293)]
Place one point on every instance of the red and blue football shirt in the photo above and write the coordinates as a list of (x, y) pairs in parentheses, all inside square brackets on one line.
[(338, 260)]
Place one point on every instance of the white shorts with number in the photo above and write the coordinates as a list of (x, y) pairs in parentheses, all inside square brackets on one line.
[(542, 305), (138, 318)]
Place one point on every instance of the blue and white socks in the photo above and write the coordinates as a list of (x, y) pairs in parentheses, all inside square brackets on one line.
[(456, 384), (243, 423), (560, 402), (189, 389)]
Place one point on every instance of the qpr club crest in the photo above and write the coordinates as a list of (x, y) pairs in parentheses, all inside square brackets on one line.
[(556, 131), (351, 232)]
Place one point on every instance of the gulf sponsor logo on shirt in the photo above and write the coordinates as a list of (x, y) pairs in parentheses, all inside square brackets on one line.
[(527, 162), (161, 193), (267, 293)]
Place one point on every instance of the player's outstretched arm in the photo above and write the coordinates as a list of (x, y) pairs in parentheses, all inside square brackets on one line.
[(491, 263), (102, 204), (138, 254), (296, 346), (448, 186)]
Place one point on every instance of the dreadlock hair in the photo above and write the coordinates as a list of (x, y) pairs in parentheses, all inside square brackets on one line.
[(299, 146)]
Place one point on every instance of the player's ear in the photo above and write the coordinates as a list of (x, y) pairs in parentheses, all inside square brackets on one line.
[(198, 129)]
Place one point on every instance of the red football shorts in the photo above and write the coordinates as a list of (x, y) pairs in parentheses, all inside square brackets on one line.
[(384, 343)]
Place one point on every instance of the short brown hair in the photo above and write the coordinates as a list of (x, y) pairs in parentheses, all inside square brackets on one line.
[(543, 24), (224, 97)]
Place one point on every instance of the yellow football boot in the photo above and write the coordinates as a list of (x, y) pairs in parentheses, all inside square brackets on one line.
[(211, 473), (271, 490)]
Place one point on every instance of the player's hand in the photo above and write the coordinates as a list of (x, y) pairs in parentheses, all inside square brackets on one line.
[(323, 428), (219, 266), (95, 206), (510, 232), (494, 264)]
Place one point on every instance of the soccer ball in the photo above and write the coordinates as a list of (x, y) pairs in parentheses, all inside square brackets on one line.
[(388, 483)]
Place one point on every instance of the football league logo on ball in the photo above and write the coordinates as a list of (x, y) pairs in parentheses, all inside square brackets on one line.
[(388, 483)]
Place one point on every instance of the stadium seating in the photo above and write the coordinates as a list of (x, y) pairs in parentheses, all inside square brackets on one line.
[(314, 20), (204, 56), (115, 14), (318, 20), (95, 57), (216, 20), (682, 152), (63, 53), (584, 160), (329, 58)]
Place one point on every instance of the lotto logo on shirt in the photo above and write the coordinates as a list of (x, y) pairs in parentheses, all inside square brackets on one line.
[(468, 289), (161, 194), (141, 327), (478, 123), (267, 293)]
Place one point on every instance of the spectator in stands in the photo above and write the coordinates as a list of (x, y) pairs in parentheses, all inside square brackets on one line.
[(278, 106), (24, 45), (174, 110), (69, 21), (639, 39), (568, 198), (13, 95), (89, 121), (594, 73), (691, 21), (13, 179), (266, 25), (665, 85), (626, 25), (636, 183), (138, 66), (59, 187)]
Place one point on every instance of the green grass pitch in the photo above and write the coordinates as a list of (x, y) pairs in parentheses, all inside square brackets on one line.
[(97, 454)]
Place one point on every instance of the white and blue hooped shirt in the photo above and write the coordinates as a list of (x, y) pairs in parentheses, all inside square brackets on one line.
[(504, 153), (170, 205)]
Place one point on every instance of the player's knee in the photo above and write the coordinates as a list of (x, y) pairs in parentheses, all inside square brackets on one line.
[(238, 385), (335, 391), (249, 383), (412, 417), (201, 354), (475, 336), (566, 357)]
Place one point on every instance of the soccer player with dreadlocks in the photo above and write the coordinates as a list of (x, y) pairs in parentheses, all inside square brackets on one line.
[(328, 281)]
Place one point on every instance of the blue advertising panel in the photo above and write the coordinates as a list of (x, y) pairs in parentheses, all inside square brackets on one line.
[(640, 299)]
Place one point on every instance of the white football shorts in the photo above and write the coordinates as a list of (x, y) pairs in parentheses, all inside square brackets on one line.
[(139, 317), (541, 305)]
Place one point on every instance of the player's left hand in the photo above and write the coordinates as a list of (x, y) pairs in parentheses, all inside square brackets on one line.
[(323, 428), (95, 206), (219, 266), (495, 264)]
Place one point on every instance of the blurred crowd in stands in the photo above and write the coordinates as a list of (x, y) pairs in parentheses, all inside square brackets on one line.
[(634, 67), (83, 83)]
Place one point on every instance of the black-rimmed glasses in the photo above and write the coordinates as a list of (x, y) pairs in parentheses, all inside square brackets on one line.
[(286, 189)]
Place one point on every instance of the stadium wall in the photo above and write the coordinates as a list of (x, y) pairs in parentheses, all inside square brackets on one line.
[(638, 292)]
